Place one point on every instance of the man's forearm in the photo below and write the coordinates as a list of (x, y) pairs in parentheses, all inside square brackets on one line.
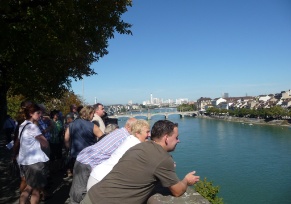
[(179, 188)]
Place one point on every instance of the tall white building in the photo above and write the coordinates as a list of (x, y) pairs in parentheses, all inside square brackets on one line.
[(224, 95)]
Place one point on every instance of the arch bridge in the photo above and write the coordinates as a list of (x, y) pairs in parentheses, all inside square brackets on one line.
[(165, 114)]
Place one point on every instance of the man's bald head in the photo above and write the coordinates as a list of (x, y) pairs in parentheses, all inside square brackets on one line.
[(129, 124)]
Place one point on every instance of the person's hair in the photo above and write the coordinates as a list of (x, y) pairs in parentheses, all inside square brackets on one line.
[(86, 112), (24, 104), (79, 108), (110, 128), (130, 122), (96, 106), (53, 113), (30, 109), (72, 107), (21, 116), (70, 115), (161, 128), (137, 127)]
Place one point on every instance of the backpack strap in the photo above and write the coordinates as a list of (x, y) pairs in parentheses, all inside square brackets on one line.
[(23, 129), (16, 145)]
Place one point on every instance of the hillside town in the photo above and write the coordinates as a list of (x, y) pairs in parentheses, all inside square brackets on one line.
[(282, 99)]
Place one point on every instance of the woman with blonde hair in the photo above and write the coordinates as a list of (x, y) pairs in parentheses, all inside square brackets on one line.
[(140, 133), (87, 113)]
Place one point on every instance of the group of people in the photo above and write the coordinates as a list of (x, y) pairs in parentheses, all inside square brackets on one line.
[(127, 165), (107, 164)]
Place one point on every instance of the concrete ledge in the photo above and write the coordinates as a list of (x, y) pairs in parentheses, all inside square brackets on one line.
[(163, 195)]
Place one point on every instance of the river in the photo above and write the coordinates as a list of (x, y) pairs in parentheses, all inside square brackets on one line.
[(250, 163)]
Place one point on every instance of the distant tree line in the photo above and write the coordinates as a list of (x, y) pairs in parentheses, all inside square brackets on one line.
[(276, 112), (148, 106), (186, 107)]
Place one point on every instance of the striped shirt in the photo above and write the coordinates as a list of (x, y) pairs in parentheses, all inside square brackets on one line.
[(102, 150)]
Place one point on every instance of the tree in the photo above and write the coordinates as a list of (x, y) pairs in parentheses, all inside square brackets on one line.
[(63, 104), (13, 103), (185, 107), (45, 44), (212, 111)]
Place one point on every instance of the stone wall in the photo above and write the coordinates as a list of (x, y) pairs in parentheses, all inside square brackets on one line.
[(163, 196)]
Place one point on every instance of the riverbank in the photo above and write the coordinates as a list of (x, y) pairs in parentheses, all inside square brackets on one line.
[(250, 121)]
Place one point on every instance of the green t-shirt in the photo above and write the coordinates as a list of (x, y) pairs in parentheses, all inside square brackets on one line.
[(56, 132)]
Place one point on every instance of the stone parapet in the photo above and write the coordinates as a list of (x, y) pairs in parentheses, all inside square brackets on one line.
[(190, 197)]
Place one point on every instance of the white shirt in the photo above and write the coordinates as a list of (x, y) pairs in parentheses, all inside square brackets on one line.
[(101, 170), (100, 121), (30, 151)]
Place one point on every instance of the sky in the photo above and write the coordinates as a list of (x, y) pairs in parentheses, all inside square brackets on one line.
[(195, 48)]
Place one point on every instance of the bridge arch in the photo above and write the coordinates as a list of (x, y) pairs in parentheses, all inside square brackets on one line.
[(150, 115)]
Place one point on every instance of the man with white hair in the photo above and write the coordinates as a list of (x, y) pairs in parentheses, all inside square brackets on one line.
[(93, 155)]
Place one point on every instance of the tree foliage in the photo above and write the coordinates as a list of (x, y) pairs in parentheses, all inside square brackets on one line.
[(62, 104), (208, 191), (216, 111), (45, 44), (13, 103), (275, 112), (186, 107)]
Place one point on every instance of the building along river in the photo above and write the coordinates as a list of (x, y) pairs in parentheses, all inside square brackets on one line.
[(250, 163)]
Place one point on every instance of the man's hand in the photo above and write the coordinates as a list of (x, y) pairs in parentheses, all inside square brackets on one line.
[(181, 187), (191, 178)]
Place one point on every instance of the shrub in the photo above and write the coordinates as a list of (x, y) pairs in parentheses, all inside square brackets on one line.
[(208, 191)]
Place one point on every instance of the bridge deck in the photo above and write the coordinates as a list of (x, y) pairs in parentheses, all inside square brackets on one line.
[(150, 115)]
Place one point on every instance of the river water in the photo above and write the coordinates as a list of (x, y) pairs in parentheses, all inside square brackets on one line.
[(250, 163)]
